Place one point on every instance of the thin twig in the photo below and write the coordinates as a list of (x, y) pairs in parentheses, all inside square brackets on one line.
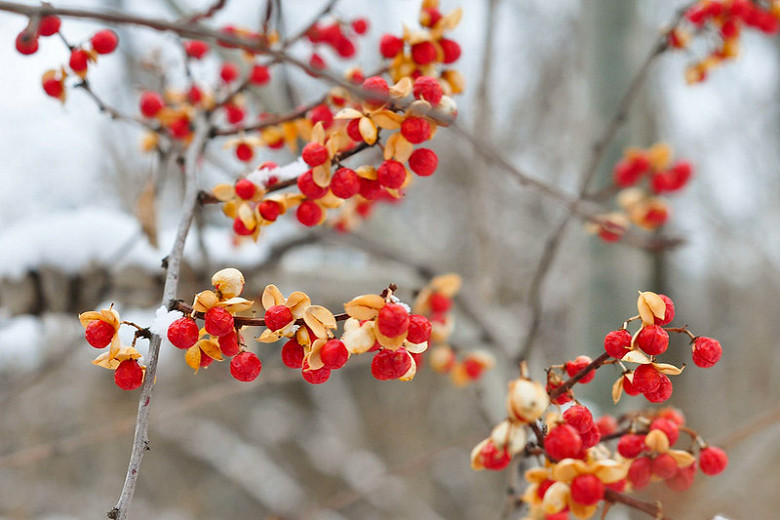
[(569, 383), (600, 147), (208, 12), (140, 441), (610, 495), (326, 9)]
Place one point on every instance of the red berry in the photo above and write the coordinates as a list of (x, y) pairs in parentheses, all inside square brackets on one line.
[(151, 103), (572, 367), (416, 130), (196, 49), (259, 75), (379, 86), (360, 25), (673, 415), (662, 392), (423, 162), (194, 95), (323, 114), (205, 359), (653, 340), (646, 378), (563, 442), (664, 466), (428, 88), (128, 375), (27, 44), (561, 399), (393, 320), (334, 354), (451, 50), (292, 354), (183, 333), (49, 25), (309, 213), (429, 16), (315, 377), (388, 364), (617, 343), (669, 427), (314, 154), (180, 128), (308, 187), (278, 317), (473, 368), (316, 62), (419, 329), (391, 174), (344, 47), (440, 303), (353, 130), (587, 489), (607, 425), (713, 460), (631, 445), (245, 367), (245, 189), (99, 333), (624, 174), (683, 479), (53, 87), (628, 387), (228, 72), (235, 114), (105, 41), (669, 314), (579, 418), (345, 183), (706, 352), (244, 152), (494, 459), (219, 322), (240, 228), (228, 344), (639, 472), (390, 46), (423, 53), (79, 61), (270, 210), (371, 190)]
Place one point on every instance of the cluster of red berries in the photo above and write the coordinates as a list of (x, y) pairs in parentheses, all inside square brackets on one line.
[(652, 339), (27, 41), (101, 330), (53, 81), (422, 52), (649, 451), (725, 19), (339, 36), (639, 206), (373, 323)]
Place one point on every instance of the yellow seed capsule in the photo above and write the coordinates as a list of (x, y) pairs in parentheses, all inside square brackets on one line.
[(527, 400)]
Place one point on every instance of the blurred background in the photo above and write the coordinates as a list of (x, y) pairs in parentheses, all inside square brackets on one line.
[(355, 447)]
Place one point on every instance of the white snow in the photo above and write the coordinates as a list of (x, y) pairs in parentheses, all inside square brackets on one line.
[(163, 318)]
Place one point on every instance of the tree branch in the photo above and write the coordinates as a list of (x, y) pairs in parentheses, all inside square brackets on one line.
[(140, 440), (654, 510), (598, 152)]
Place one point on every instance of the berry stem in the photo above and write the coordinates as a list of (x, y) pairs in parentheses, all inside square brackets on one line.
[(603, 359), (654, 510), (681, 330)]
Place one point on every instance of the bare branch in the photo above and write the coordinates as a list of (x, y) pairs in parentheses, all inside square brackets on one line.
[(140, 440), (551, 246)]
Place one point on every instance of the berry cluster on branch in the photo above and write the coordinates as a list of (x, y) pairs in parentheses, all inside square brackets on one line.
[(579, 469)]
